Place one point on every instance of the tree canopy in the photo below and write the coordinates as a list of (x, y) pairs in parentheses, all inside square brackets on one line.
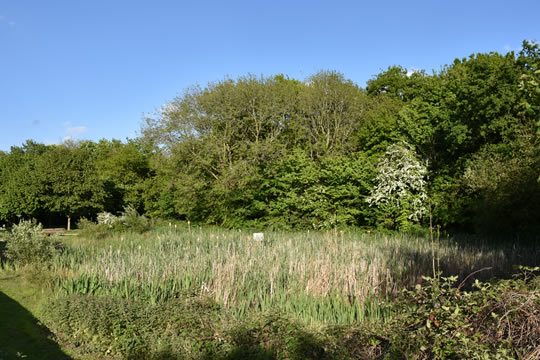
[(319, 153)]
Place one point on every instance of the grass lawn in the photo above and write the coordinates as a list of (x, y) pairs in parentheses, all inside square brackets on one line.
[(21, 334)]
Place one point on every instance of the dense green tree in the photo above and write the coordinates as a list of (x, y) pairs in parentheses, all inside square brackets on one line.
[(379, 127), (484, 94), (40, 181), (218, 141), (332, 110), (503, 178), (122, 167), (215, 139), (298, 192), (529, 83), (68, 176), (20, 190), (399, 83), (487, 132), (274, 151)]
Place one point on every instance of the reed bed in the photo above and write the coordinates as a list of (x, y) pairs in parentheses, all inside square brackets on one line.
[(319, 277)]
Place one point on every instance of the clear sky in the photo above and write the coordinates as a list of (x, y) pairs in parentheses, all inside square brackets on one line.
[(92, 69)]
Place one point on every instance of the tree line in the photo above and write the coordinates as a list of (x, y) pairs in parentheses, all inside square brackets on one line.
[(458, 147)]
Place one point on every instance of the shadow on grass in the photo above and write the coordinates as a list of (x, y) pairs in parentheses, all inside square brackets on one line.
[(472, 258), (2, 250), (22, 336), (276, 339)]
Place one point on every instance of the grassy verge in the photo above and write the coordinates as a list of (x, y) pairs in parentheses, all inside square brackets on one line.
[(21, 333)]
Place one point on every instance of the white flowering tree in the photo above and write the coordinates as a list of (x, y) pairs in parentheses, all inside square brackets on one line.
[(400, 190)]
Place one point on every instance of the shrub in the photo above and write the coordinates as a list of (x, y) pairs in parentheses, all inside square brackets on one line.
[(84, 223), (107, 223), (400, 193), (129, 220), (132, 221), (133, 329), (106, 218), (272, 336), (27, 244), (499, 320), (90, 229)]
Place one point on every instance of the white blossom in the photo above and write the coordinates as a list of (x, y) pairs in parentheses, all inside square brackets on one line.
[(401, 180)]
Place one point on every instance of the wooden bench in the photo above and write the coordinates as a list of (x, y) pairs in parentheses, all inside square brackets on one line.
[(53, 231)]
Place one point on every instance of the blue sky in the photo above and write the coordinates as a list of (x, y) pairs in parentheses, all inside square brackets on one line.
[(92, 69)]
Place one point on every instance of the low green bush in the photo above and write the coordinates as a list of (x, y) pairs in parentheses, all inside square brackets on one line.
[(498, 320), (85, 223), (130, 220), (28, 244), (127, 328), (107, 224), (91, 230)]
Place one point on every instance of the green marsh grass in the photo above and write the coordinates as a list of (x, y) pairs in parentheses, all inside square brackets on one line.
[(337, 277)]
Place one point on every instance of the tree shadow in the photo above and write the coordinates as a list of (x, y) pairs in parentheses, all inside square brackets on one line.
[(275, 340), (22, 335), (482, 259), (2, 250)]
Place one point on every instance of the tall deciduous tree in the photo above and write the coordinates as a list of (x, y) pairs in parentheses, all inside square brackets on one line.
[(332, 112), (71, 185), (20, 187), (214, 140), (122, 167)]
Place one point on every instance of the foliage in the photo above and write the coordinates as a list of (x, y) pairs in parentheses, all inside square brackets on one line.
[(440, 321), (181, 328), (20, 190), (84, 223), (130, 220), (398, 82), (332, 110), (122, 167), (91, 230), (505, 178), (27, 244), (437, 320), (107, 223), (379, 127), (72, 179), (281, 153), (529, 82), (323, 194), (69, 180), (106, 218), (400, 190)]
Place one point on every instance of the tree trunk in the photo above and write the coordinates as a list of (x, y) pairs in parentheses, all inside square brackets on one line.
[(69, 223)]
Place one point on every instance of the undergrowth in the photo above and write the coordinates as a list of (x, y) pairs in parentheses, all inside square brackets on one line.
[(436, 320), (107, 224), (497, 320), (27, 244)]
